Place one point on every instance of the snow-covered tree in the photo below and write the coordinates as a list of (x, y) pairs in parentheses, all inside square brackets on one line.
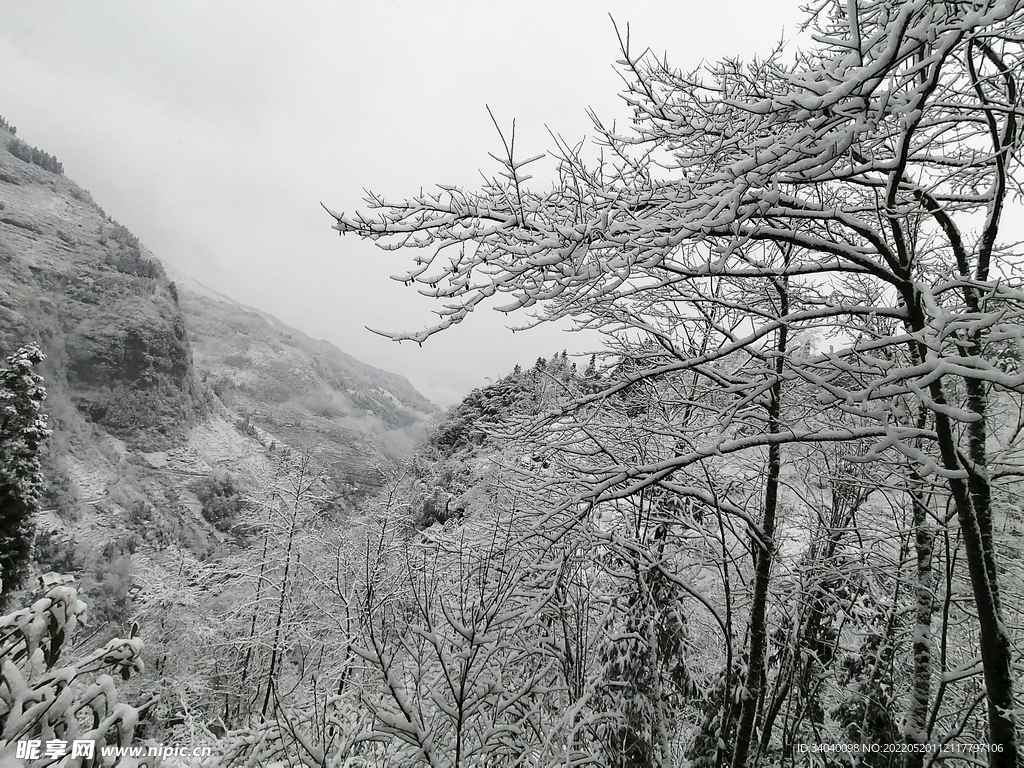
[(268, 598), (22, 433), (814, 247)]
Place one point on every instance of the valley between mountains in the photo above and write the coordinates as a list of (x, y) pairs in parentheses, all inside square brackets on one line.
[(152, 384)]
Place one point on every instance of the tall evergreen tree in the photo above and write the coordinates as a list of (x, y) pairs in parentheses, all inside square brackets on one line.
[(22, 432)]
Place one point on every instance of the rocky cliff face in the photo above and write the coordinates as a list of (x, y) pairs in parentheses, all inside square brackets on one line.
[(98, 303)]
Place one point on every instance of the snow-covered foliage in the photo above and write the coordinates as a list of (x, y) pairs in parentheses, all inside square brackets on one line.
[(41, 699), (472, 617), (23, 430)]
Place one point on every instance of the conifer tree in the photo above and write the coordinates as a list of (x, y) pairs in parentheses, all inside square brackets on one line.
[(22, 432)]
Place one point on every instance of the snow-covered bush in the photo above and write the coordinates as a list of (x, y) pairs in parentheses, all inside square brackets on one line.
[(43, 701)]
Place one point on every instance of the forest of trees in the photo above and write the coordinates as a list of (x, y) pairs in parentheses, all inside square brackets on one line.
[(780, 509), (33, 155)]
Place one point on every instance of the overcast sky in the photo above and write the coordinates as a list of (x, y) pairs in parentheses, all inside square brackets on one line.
[(214, 129)]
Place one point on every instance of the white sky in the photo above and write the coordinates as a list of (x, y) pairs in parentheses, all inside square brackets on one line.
[(213, 129)]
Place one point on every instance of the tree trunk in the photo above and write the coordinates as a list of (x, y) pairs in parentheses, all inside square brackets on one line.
[(993, 640), (915, 729), (758, 634)]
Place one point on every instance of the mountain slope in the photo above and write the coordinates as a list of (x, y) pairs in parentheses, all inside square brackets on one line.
[(133, 368), (97, 301), (300, 391)]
